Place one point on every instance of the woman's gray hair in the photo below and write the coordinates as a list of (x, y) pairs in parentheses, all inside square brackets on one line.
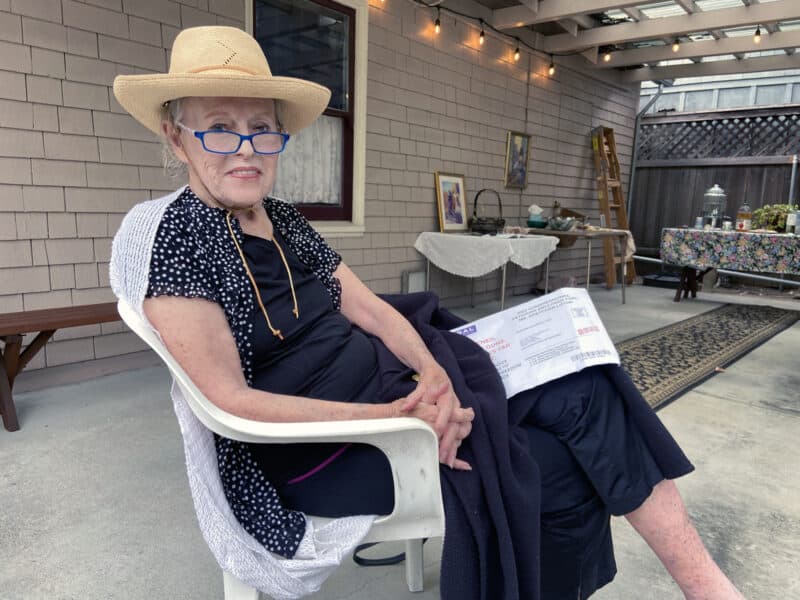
[(171, 113)]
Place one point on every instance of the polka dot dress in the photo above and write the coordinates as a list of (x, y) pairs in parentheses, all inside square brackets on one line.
[(194, 256)]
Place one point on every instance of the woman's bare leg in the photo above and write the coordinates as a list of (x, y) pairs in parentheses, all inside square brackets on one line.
[(664, 524)]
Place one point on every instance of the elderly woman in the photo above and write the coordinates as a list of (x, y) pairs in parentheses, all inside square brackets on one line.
[(271, 325)]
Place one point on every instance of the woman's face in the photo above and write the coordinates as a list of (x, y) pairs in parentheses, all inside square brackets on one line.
[(233, 181)]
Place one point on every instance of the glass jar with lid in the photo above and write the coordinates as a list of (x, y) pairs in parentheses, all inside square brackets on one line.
[(744, 217), (714, 204)]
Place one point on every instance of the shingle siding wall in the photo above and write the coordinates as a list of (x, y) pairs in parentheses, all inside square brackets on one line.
[(72, 162)]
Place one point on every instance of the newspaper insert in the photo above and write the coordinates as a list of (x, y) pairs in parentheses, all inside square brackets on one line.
[(544, 339)]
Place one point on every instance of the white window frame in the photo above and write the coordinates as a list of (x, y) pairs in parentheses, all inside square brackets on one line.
[(354, 227)]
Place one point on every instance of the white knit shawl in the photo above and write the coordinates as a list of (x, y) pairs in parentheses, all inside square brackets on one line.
[(237, 552)]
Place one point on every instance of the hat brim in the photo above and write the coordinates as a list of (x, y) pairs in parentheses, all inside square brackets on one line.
[(143, 96)]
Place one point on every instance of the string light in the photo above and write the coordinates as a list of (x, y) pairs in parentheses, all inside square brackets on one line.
[(676, 45), (757, 36), (551, 70), (516, 51), (437, 24), (482, 38)]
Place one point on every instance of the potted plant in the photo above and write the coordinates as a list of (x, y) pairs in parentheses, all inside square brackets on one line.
[(772, 216)]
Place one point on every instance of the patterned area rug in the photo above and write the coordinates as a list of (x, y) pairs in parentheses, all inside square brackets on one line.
[(670, 361)]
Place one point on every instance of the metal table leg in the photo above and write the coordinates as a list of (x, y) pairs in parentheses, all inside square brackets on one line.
[(623, 245), (588, 261), (427, 274), (546, 273), (503, 288)]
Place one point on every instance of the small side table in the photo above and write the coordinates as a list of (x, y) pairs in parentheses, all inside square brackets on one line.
[(473, 256)]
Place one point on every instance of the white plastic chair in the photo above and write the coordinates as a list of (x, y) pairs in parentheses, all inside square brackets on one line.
[(410, 445)]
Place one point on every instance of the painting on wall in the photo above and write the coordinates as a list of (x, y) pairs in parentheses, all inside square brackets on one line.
[(451, 201), (516, 172)]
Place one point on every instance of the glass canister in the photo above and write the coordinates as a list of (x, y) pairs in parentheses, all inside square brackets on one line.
[(744, 217), (714, 204)]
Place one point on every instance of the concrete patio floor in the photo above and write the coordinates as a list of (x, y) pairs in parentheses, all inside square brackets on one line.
[(94, 502)]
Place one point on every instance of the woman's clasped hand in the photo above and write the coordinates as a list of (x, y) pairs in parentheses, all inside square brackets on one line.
[(435, 402)]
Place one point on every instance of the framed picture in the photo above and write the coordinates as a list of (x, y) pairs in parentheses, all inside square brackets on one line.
[(516, 173), (451, 202)]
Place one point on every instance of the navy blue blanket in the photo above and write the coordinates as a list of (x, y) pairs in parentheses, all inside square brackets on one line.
[(491, 547)]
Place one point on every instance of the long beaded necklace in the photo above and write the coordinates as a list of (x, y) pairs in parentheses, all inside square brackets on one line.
[(295, 310)]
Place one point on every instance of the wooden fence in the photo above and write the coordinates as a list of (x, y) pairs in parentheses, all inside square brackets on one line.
[(746, 152)]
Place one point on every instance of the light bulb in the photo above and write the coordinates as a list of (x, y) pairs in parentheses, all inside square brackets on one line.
[(552, 69), (607, 57), (516, 54), (676, 45), (757, 36), (437, 25), (482, 39)]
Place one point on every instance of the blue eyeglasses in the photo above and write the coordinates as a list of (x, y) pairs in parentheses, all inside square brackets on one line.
[(222, 141)]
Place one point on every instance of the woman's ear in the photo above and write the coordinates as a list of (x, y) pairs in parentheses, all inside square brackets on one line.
[(172, 134)]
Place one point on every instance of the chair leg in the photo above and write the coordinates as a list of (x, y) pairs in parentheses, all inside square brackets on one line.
[(236, 590), (414, 565)]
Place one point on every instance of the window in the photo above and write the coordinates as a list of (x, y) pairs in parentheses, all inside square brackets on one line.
[(734, 97), (700, 100), (770, 94), (322, 169)]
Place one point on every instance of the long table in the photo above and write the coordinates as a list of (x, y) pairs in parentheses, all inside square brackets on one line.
[(473, 256), (741, 251), (752, 252)]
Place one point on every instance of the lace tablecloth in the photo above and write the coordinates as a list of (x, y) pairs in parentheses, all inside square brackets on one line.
[(474, 256), (732, 250)]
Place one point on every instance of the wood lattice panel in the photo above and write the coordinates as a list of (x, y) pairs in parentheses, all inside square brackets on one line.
[(720, 136)]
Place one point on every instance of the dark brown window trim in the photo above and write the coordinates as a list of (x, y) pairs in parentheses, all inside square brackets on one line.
[(344, 212)]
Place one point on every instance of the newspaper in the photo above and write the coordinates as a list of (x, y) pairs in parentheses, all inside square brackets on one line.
[(544, 339)]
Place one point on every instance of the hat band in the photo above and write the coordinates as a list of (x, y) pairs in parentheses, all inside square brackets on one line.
[(225, 68)]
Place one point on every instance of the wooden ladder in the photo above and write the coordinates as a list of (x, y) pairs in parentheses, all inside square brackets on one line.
[(606, 165)]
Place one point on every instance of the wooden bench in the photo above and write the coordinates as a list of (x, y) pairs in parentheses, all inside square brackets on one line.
[(45, 323)]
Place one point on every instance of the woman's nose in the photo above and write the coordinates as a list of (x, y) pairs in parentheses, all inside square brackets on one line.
[(246, 148)]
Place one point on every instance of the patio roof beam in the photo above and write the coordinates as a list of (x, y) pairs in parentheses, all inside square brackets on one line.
[(635, 14), (738, 45), (584, 21), (781, 10), (553, 10), (688, 5), (708, 69), (570, 26)]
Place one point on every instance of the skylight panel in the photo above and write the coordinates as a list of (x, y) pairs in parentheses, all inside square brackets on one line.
[(719, 58), (676, 61), (745, 31), (661, 10), (763, 53), (718, 4)]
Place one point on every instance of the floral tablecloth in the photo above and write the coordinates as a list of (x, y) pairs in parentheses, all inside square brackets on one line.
[(732, 250)]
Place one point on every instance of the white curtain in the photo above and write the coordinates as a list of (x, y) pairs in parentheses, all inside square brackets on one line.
[(310, 168)]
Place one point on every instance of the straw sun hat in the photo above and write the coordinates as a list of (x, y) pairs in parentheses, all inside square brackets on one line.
[(219, 61)]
